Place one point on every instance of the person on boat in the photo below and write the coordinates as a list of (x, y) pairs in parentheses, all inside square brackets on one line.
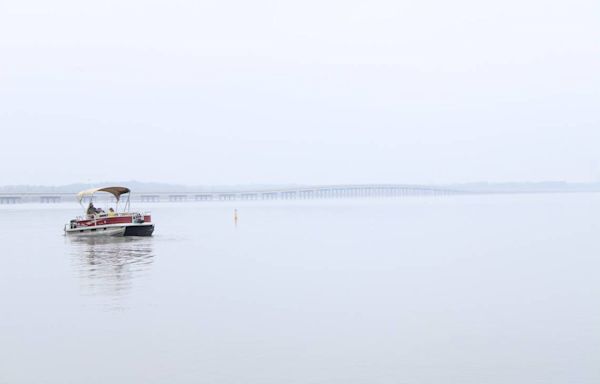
[(111, 212), (91, 210)]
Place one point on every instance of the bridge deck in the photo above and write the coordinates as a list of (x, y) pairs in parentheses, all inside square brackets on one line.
[(303, 192)]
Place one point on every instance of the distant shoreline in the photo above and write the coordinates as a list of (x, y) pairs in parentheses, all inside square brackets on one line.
[(146, 187)]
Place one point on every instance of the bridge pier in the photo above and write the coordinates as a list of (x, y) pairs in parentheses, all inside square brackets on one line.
[(10, 199), (150, 198), (307, 194), (227, 196), (247, 196), (269, 195), (203, 197), (177, 198), (49, 199)]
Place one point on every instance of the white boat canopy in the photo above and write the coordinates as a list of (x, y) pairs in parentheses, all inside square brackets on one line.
[(115, 191)]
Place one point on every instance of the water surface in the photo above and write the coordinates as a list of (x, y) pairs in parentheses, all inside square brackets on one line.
[(482, 289)]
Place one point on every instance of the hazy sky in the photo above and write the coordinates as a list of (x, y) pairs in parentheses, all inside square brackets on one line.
[(229, 92)]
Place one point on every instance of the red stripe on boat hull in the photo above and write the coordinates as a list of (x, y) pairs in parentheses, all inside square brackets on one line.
[(110, 220)]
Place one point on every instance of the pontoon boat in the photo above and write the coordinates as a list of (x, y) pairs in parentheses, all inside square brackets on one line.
[(114, 222)]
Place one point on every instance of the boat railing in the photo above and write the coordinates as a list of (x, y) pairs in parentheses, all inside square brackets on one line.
[(105, 215)]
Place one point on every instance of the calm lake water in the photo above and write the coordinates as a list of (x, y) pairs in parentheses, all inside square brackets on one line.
[(481, 289)]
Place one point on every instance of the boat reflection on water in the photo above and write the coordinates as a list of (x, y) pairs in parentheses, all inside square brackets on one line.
[(109, 266)]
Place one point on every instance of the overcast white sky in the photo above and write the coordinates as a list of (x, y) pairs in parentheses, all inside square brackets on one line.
[(233, 92)]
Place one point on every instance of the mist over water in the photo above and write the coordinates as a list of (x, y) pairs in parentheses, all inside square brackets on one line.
[(470, 289)]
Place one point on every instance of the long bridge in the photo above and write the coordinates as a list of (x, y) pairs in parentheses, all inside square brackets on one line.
[(290, 193)]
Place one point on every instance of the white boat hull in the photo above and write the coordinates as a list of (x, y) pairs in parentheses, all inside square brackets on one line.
[(96, 231)]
